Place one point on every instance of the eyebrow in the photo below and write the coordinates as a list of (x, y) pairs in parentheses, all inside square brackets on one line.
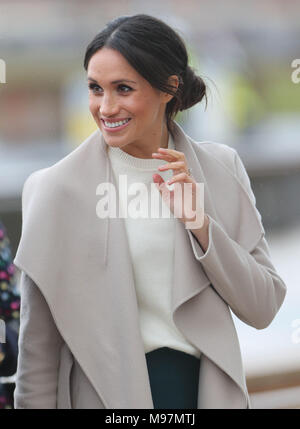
[(115, 81)]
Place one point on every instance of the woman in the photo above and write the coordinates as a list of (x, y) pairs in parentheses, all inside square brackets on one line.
[(9, 314), (127, 312)]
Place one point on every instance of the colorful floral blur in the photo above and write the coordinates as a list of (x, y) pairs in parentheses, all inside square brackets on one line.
[(9, 307)]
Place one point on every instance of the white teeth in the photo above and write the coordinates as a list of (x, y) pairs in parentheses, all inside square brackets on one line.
[(115, 124)]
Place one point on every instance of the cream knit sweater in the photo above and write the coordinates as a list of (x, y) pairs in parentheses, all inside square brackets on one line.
[(151, 244)]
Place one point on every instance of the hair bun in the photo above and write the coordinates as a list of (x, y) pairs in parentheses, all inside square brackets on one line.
[(194, 89)]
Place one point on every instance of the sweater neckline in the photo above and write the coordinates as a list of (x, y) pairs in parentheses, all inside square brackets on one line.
[(139, 163)]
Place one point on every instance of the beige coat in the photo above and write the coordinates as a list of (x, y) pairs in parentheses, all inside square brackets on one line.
[(80, 342)]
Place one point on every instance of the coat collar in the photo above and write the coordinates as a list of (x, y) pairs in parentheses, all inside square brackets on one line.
[(83, 268)]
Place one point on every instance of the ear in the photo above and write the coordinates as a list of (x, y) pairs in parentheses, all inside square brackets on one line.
[(174, 81)]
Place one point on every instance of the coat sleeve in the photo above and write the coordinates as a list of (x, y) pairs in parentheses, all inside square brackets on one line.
[(39, 350), (247, 282)]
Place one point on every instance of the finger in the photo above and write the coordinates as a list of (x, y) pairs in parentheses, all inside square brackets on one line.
[(172, 152), (172, 166), (158, 180), (163, 156), (161, 184), (180, 177)]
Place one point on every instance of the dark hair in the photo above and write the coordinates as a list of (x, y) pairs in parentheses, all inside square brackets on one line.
[(156, 52)]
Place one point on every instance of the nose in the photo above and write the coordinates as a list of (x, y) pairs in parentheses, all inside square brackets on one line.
[(108, 106)]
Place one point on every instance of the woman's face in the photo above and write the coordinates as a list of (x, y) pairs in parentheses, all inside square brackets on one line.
[(117, 92)]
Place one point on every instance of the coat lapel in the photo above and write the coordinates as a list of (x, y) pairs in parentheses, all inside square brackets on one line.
[(82, 266), (198, 311), (98, 317)]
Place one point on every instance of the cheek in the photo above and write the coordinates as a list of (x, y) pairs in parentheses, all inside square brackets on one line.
[(142, 106), (93, 105)]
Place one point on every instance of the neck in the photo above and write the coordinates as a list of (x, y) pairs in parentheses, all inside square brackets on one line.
[(154, 141)]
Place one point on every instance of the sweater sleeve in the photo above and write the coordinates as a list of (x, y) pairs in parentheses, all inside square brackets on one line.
[(39, 350), (247, 282)]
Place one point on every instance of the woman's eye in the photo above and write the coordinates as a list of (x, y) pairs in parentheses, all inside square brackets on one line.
[(125, 86), (92, 86)]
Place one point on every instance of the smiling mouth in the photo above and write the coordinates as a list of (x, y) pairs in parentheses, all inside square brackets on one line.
[(117, 125)]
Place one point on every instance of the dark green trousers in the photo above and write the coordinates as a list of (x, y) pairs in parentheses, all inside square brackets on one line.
[(174, 377)]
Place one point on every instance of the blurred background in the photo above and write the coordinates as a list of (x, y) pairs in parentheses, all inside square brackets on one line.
[(246, 53)]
